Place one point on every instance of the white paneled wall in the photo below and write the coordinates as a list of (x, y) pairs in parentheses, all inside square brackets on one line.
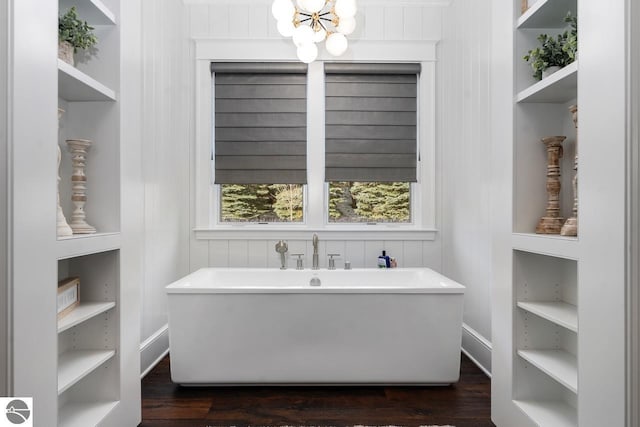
[(361, 254), (4, 226), (462, 157), (166, 98), (466, 159), (394, 20)]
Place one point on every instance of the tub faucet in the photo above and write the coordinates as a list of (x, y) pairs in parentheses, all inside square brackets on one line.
[(315, 252), (281, 248)]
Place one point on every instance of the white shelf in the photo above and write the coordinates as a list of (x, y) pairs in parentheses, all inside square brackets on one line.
[(84, 414), (92, 11), (547, 14), (85, 244), (549, 413), (74, 85), (558, 364), (83, 312), (559, 87), (75, 365), (552, 245), (560, 313)]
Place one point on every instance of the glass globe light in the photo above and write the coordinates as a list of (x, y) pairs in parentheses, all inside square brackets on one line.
[(314, 5), (319, 35), (346, 8), (286, 27), (282, 9), (307, 52), (302, 4), (336, 44), (302, 35), (346, 25)]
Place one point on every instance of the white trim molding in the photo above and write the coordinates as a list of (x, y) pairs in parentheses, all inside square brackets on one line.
[(477, 348), (5, 321), (280, 49), (633, 217), (206, 195), (153, 350), (251, 233), (428, 3)]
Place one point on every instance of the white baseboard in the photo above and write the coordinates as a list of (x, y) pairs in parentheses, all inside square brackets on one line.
[(477, 348), (153, 349)]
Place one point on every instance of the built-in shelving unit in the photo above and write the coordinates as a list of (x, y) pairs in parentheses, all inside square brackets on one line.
[(549, 412), (558, 87), (93, 11), (544, 275), (558, 364), (75, 365), (546, 13), (82, 313), (560, 313), (558, 246), (83, 414), (74, 85), (85, 244), (89, 337)]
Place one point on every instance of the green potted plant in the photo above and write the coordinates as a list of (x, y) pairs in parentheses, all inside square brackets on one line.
[(73, 34), (554, 52), (570, 46)]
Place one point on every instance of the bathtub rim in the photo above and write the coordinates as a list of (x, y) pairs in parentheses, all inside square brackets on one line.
[(447, 286)]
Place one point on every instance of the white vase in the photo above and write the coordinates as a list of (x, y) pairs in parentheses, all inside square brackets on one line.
[(550, 70), (62, 227)]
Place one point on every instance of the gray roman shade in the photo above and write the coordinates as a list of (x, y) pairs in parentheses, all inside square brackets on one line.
[(371, 122), (260, 123)]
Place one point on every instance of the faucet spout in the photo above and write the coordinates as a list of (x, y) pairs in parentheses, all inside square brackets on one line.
[(315, 252)]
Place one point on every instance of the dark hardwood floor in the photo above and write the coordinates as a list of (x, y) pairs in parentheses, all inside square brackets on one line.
[(465, 404)]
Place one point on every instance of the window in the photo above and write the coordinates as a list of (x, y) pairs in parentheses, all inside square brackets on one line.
[(371, 141), (369, 202), (363, 169), (260, 141), (262, 203)]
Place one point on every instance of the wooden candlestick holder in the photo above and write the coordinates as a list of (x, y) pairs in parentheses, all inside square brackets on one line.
[(551, 222), (79, 148), (570, 227)]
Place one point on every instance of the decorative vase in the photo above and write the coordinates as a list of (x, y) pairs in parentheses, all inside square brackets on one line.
[(65, 52), (79, 148), (62, 227), (551, 222), (570, 227), (524, 5), (548, 71)]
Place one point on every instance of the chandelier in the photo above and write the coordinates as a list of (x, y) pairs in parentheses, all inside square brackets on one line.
[(313, 21)]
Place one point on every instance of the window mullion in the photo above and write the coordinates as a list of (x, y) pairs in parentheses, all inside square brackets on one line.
[(315, 146)]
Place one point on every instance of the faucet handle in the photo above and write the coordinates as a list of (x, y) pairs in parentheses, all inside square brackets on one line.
[(332, 262), (299, 265)]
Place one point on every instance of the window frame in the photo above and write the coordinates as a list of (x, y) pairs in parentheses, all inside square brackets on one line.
[(206, 195)]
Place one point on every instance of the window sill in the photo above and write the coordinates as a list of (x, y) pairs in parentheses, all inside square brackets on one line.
[(247, 232)]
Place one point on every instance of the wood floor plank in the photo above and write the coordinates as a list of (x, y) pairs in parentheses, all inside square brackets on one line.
[(464, 404)]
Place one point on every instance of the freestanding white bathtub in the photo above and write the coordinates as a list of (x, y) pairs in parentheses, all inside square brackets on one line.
[(361, 326)]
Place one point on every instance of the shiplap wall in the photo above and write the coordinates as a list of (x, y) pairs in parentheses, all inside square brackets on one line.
[(466, 158), (401, 20), (361, 254), (4, 226), (168, 140), (166, 128), (377, 20)]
